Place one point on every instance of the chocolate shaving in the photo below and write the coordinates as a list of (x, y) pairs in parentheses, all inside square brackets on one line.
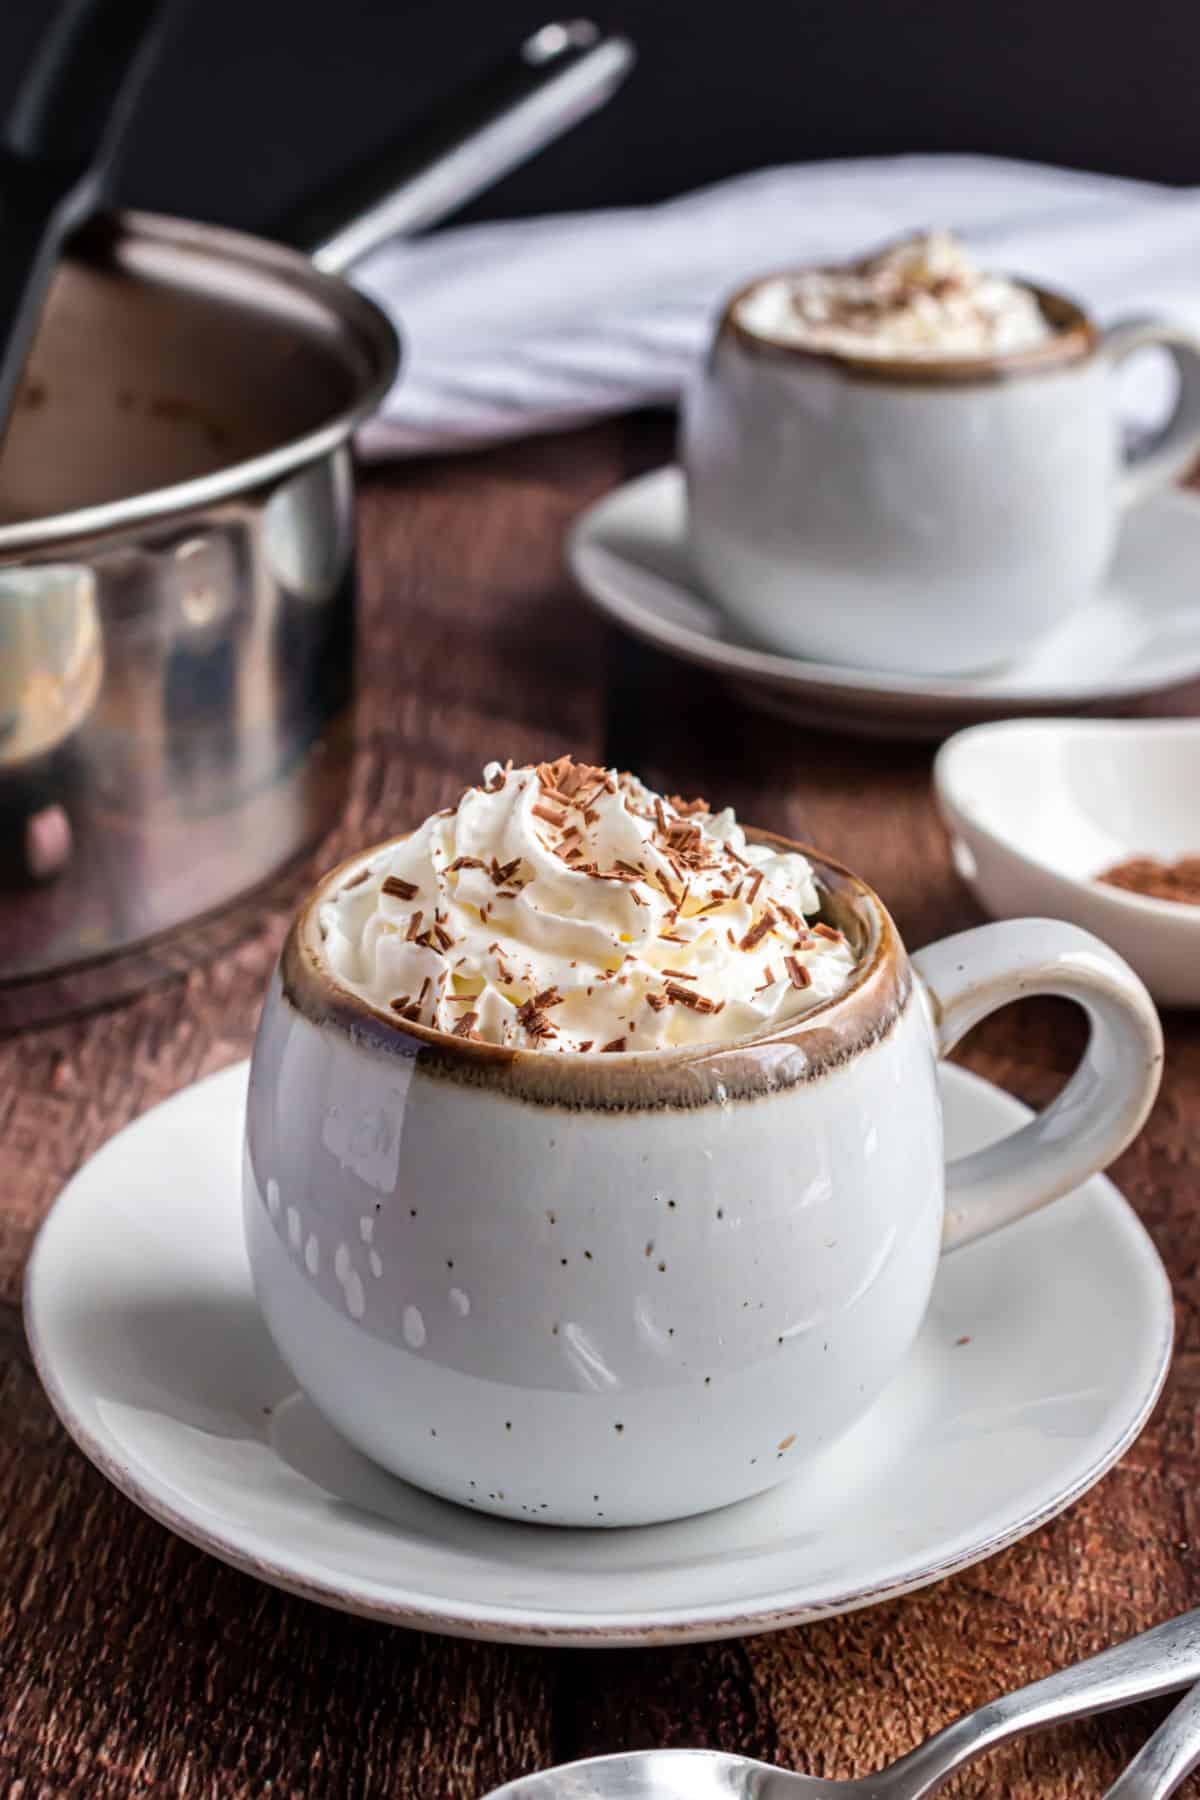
[(464, 862), (466, 1025), (564, 778), (759, 930), (657, 1001), (821, 930), (532, 1013), (683, 900), (553, 815), (586, 1044), (794, 919), (414, 927), (443, 937), (688, 997), (685, 837), (755, 884), (398, 889), (679, 974), (501, 874), (797, 973), (616, 1044), (669, 891), (767, 981)]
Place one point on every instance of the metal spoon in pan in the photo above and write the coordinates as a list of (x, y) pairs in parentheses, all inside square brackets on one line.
[(1156, 1662)]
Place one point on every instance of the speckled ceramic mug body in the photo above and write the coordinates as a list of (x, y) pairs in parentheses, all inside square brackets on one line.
[(607, 1289)]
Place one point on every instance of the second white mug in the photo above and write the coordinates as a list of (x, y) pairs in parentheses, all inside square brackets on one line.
[(914, 515)]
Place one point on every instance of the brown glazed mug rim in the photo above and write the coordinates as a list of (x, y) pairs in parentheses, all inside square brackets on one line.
[(829, 1035), (1075, 339)]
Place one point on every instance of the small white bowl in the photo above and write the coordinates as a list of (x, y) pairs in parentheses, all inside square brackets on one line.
[(1037, 809)]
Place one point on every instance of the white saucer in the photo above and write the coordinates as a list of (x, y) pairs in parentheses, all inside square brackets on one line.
[(148, 1341), (1140, 635)]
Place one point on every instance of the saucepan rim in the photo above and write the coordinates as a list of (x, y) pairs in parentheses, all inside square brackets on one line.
[(373, 333)]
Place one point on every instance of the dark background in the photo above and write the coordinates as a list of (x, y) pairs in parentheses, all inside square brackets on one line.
[(257, 100)]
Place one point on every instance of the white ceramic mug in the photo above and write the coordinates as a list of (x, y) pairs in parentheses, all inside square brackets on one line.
[(613, 1289), (934, 516)]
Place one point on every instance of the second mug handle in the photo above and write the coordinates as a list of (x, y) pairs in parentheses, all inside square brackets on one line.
[(1171, 450), (1105, 1102)]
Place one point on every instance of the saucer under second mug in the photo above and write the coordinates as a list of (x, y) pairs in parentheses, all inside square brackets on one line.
[(1139, 636)]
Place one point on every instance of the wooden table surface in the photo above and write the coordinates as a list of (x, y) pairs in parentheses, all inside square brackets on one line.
[(131, 1664)]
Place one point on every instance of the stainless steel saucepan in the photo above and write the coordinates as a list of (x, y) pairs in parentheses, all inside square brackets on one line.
[(177, 580)]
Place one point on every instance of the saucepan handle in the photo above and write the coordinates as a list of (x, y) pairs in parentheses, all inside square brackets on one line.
[(559, 75), (1106, 1099)]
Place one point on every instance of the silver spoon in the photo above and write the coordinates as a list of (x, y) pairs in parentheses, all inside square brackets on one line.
[(1157, 1661), (1169, 1757)]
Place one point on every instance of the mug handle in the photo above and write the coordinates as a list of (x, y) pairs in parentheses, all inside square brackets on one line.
[(1105, 1102), (1171, 450)]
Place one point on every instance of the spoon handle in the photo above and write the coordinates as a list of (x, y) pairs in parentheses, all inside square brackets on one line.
[(1155, 1662), (1169, 1757)]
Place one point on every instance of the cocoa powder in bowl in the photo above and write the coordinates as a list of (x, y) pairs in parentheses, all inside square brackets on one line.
[(1156, 880)]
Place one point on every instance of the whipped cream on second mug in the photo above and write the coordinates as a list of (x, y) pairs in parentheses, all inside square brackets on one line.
[(922, 297), (568, 908)]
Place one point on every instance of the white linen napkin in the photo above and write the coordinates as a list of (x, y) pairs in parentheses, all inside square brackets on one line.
[(537, 324)]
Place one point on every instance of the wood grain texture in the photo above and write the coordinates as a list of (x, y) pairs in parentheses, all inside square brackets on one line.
[(132, 1665)]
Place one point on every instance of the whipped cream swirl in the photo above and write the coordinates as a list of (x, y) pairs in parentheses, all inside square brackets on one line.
[(568, 908), (922, 297)]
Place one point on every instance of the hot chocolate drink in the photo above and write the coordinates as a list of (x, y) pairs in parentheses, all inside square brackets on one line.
[(566, 907), (924, 297)]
